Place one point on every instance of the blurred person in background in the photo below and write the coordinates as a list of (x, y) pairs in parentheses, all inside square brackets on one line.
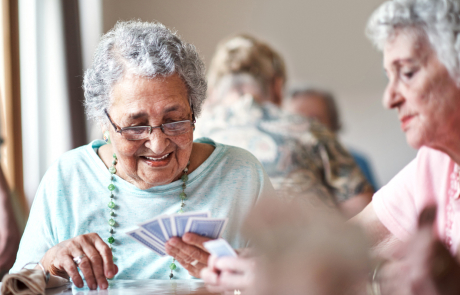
[(420, 40), (321, 105), (246, 81), (9, 231), (296, 249), (145, 88)]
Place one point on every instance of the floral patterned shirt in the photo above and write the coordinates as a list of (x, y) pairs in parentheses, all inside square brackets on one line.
[(301, 157)]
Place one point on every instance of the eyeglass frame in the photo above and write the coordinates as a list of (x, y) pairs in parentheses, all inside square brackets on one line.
[(118, 129)]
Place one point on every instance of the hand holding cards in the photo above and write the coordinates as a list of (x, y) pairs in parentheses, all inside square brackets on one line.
[(156, 232)]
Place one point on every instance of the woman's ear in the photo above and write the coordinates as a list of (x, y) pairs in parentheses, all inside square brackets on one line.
[(105, 133)]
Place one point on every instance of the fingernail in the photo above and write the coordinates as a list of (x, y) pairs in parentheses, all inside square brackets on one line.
[(110, 274), (173, 242), (94, 286), (104, 286)]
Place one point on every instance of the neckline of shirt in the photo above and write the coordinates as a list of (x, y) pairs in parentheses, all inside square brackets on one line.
[(129, 188)]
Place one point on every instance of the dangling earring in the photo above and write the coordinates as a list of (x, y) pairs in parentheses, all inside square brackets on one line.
[(106, 136)]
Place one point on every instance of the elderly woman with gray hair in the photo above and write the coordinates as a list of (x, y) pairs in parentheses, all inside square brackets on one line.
[(146, 87), (420, 40)]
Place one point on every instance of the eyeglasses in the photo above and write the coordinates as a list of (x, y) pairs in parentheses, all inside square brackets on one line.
[(141, 132)]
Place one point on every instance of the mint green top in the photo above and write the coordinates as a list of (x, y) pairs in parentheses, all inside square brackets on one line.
[(72, 200)]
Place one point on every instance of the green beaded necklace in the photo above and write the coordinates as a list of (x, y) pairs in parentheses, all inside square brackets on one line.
[(111, 205)]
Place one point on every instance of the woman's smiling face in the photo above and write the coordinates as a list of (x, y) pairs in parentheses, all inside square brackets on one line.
[(421, 90), (158, 159)]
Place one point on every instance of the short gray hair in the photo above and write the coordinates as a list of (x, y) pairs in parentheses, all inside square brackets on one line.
[(143, 49), (438, 20)]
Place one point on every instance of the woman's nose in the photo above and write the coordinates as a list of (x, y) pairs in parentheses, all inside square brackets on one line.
[(392, 97), (157, 141)]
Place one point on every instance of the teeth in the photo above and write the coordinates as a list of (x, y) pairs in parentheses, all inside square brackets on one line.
[(157, 159)]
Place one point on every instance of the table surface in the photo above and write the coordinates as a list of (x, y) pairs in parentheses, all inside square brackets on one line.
[(135, 287)]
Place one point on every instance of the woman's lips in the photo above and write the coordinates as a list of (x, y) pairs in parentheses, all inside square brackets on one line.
[(405, 121), (157, 161)]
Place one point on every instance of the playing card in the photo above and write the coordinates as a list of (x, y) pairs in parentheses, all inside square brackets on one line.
[(154, 247), (207, 227), (153, 227), (150, 238), (220, 248), (166, 226), (179, 221)]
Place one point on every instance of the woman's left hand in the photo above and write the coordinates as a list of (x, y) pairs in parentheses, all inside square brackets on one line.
[(427, 267), (189, 252)]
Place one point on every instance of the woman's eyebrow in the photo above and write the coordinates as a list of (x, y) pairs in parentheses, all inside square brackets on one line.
[(172, 109), (139, 115), (135, 116)]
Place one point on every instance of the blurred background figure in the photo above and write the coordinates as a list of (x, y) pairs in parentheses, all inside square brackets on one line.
[(246, 82), (9, 231), (321, 105), (296, 249)]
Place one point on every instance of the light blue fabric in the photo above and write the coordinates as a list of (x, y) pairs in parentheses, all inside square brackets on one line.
[(73, 196)]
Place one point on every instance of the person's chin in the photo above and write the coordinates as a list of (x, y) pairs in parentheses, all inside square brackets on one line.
[(414, 139)]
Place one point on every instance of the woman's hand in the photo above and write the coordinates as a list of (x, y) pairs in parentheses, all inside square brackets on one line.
[(189, 252), (426, 267), (96, 265), (227, 274)]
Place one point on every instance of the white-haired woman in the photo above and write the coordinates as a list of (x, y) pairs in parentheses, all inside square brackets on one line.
[(145, 88), (420, 40)]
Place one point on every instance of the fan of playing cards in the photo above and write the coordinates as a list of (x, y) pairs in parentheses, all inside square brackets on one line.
[(156, 232)]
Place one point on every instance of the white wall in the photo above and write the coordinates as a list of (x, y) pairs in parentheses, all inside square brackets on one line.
[(322, 40)]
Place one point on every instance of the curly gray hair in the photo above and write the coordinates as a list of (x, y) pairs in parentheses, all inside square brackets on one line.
[(438, 20), (147, 50)]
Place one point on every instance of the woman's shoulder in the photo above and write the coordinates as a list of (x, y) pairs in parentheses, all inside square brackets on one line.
[(77, 160)]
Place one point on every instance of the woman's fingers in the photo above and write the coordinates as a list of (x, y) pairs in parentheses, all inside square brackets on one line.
[(71, 269), (110, 268), (209, 276), (94, 269), (195, 240), (178, 249), (234, 264), (230, 280), (86, 268)]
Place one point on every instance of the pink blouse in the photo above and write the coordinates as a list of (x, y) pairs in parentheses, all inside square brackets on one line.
[(431, 178)]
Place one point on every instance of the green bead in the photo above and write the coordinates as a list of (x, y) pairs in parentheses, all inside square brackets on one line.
[(113, 170), (184, 177), (111, 187), (114, 162), (111, 222), (111, 205), (111, 240), (184, 186), (180, 211), (172, 266), (182, 195), (114, 156), (112, 213)]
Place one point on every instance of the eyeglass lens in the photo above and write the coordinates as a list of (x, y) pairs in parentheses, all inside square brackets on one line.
[(170, 129)]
